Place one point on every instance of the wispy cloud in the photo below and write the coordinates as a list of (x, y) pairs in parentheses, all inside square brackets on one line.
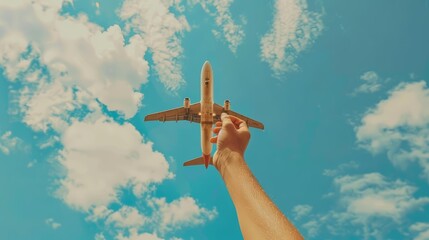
[(160, 218), (294, 29), (99, 236), (421, 230), (181, 213), (373, 195), (367, 205), (300, 211), (372, 83), (97, 8), (371, 200), (135, 235), (49, 142), (232, 32), (52, 223), (8, 142), (31, 164), (398, 125), (311, 228), (126, 217), (340, 169), (161, 31)]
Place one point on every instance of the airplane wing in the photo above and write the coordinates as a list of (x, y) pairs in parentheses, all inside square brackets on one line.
[(218, 110), (177, 114)]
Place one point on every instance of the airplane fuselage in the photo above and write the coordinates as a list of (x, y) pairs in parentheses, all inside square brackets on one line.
[(206, 110)]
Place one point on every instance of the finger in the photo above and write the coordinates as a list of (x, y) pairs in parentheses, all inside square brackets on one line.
[(244, 133), (235, 119), (238, 122), (243, 126), (226, 120), (213, 139), (219, 124), (216, 130), (225, 117)]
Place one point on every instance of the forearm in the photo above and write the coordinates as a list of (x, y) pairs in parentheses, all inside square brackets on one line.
[(258, 216)]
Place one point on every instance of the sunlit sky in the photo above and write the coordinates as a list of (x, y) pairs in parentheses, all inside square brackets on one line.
[(341, 87)]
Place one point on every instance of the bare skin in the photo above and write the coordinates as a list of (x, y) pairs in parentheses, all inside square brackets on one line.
[(258, 216)]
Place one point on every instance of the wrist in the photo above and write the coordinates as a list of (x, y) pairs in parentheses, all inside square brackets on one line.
[(227, 159)]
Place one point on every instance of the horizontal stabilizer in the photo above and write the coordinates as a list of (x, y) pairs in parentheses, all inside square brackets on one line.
[(196, 161)]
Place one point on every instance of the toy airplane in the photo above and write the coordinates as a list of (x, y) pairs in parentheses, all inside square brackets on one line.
[(206, 112)]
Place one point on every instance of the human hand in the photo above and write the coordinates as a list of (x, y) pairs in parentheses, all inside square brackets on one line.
[(232, 137)]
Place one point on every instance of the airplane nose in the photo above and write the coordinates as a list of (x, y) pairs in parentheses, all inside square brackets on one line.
[(206, 71), (207, 66)]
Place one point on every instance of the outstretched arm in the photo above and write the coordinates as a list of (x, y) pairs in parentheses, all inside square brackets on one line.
[(258, 216)]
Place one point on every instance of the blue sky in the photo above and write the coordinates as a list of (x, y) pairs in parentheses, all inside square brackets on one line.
[(340, 86)]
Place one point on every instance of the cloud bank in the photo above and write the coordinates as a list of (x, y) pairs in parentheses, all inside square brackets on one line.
[(66, 72), (368, 205), (74, 52)]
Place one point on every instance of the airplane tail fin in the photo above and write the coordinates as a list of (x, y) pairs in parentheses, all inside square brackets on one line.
[(204, 160)]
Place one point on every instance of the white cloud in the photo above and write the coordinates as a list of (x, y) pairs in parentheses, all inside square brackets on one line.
[(294, 29), (51, 223), (67, 66), (97, 8), (99, 212), (311, 227), (398, 125), (340, 169), (11, 47), (231, 31), (372, 83), (372, 195), (51, 141), (99, 236), (134, 235), (161, 31), (8, 142), (301, 211), (161, 216), (31, 164), (182, 212), (421, 229), (367, 205), (75, 52), (101, 157), (47, 107), (369, 201), (126, 217)]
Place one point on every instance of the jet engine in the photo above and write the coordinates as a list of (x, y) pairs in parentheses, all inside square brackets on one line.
[(186, 103), (226, 105)]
